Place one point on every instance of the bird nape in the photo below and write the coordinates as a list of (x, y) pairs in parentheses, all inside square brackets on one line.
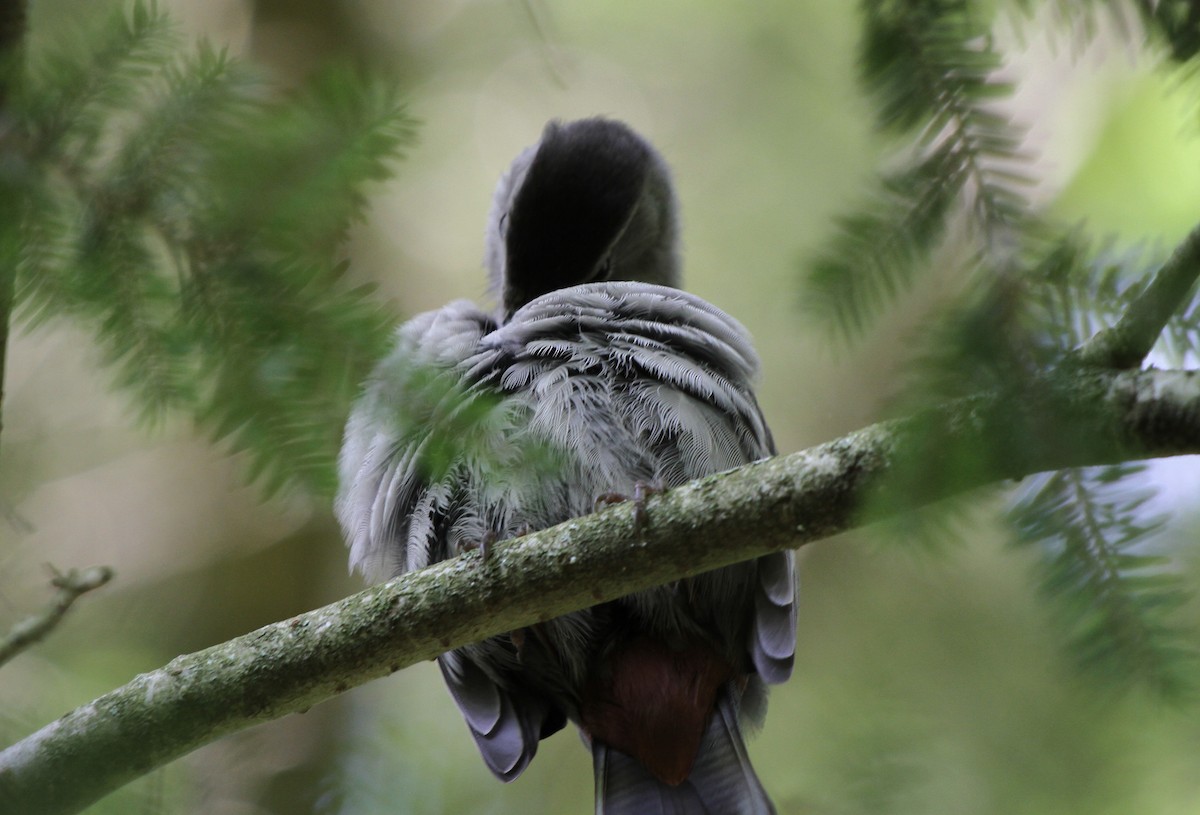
[(624, 381)]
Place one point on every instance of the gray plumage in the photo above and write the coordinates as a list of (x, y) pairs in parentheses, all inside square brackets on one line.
[(596, 377)]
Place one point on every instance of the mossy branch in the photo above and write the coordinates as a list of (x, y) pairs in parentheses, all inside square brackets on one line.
[(774, 504)]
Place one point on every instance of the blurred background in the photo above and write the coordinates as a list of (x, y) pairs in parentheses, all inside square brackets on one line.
[(925, 682)]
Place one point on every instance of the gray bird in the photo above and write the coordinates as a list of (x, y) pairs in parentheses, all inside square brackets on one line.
[(596, 377)]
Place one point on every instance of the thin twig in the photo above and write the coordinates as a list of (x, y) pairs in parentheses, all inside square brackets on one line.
[(35, 627), (1128, 342)]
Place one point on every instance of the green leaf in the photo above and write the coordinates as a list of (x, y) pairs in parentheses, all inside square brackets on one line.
[(930, 70), (194, 219), (1114, 596)]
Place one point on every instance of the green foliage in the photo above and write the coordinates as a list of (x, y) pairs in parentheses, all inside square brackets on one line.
[(193, 218), (1078, 291), (876, 252), (1177, 22), (930, 69), (1092, 529), (1091, 525), (431, 410), (1034, 293)]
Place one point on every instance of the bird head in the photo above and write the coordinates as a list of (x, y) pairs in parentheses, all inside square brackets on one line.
[(591, 201)]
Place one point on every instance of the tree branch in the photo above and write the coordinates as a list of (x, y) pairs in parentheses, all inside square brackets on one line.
[(770, 505), (1128, 342), (70, 586)]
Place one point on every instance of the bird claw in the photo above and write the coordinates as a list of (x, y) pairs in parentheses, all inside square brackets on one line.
[(484, 545), (489, 540), (641, 491)]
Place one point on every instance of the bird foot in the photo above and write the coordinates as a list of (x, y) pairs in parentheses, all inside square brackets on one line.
[(489, 540), (484, 545), (641, 491)]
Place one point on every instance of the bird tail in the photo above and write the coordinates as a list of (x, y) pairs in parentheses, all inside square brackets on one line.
[(722, 782)]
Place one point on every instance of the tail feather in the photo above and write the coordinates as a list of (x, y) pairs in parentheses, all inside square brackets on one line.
[(506, 726), (722, 782), (773, 645), (625, 787)]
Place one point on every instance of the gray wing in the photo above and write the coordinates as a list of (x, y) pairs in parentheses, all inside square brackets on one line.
[(388, 504), (406, 501), (506, 725), (773, 644), (632, 375), (684, 401)]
